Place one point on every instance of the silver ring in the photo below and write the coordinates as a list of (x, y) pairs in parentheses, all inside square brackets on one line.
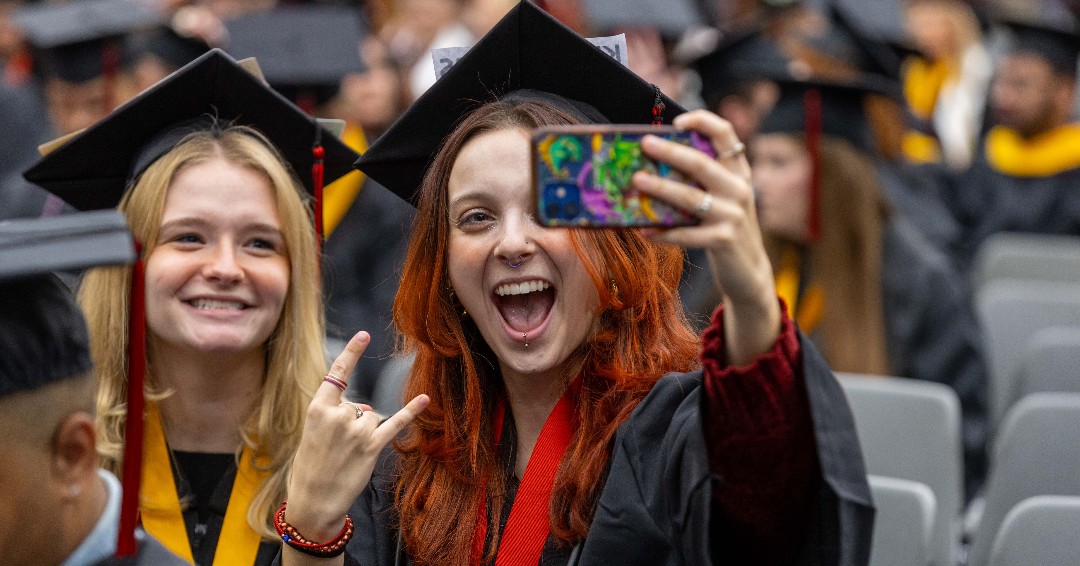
[(359, 411), (515, 265), (738, 149), (705, 204)]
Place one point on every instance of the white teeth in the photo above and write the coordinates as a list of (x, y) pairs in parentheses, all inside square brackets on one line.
[(521, 288), (213, 304)]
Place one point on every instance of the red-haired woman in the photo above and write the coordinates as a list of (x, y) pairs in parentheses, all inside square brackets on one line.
[(539, 353), (562, 409)]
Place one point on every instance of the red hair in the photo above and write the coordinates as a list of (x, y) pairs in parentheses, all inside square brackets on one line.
[(642, 334)]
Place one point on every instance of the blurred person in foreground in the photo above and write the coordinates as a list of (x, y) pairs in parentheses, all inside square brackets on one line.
[(60, 507)]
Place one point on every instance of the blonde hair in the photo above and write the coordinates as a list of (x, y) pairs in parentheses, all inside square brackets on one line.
[(294, 352)]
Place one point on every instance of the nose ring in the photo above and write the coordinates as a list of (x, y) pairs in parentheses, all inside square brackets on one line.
[(513, 265)]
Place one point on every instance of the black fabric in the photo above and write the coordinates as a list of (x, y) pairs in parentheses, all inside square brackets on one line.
[(656, 506), (43, 338), (305, 44), (203, 470), (204, 536), (987, 201), (744, 56), (361, 269), (842, 112), (933, 333)]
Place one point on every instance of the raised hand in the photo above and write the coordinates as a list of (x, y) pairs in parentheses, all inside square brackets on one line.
[(728, 231), (338, 450)]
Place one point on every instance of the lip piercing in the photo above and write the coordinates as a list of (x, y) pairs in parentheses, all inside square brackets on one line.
[(513, 265)]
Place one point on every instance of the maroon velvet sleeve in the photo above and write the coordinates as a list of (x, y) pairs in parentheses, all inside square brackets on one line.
[(761, 444)]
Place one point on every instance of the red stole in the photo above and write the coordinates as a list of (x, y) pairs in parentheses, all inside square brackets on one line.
[(528, 526)]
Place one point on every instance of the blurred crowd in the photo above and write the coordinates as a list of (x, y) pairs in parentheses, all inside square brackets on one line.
[(888, 138)]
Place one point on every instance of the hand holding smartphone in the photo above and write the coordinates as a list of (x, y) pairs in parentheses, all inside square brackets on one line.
[(582, 176)]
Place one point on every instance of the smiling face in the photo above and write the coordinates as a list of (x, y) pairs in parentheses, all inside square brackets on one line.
[(219, 273), (781, 174), (533, 316)]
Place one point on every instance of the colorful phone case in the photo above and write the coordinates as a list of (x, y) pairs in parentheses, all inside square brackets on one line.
[(582, 176)]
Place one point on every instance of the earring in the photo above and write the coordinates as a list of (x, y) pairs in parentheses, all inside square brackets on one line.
[(614, 288)]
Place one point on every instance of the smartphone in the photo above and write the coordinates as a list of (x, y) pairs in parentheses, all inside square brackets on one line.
[(582, 176)]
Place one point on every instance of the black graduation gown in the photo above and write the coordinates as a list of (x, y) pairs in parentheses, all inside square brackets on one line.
[(205, 544), (361, 269), (933, 333), (988, 201), (655, 507)]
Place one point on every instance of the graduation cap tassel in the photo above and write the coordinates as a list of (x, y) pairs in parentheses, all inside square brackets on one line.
[(657, 107), (110, 70), (133, 426), (812, 128), (317, 169)]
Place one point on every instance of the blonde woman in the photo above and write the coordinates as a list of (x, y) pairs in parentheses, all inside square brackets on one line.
[(234, 327), (946, 85)]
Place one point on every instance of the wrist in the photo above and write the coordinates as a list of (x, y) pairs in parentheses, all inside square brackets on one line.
[(315, 520), (313, 544)]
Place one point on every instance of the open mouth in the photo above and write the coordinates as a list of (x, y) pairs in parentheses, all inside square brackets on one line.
[(212, 304), (525, 305)]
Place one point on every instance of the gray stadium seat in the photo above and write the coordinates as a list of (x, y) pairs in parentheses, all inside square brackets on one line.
[(910, 429), (1012, 312), (903, 524), (1051, 362), (1036, 453), (1039, 531), (1028, 257)]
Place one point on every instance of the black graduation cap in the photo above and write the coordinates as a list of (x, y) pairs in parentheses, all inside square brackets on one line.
[(743, 55), (527, 49), (172, 48), (43, 338), (93, 170), (840, 112), (815, 108), (670, 17), (1058, 45), (302, 49), (876, 51), (78, 41)]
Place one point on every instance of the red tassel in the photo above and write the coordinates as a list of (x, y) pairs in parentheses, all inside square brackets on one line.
[(812, 128), (133, 427), (110, 70), (317, 170)]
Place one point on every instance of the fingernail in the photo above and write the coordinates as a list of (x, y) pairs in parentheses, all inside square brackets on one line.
[(642, 179), (649, 141), (361, 336)]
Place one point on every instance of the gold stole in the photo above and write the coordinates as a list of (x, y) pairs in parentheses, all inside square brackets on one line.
[(1046, 154), (807, 312), (339, 195), (159, 504), (923, 82)]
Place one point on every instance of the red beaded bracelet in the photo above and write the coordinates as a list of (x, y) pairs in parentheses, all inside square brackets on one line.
[(294, 539)]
